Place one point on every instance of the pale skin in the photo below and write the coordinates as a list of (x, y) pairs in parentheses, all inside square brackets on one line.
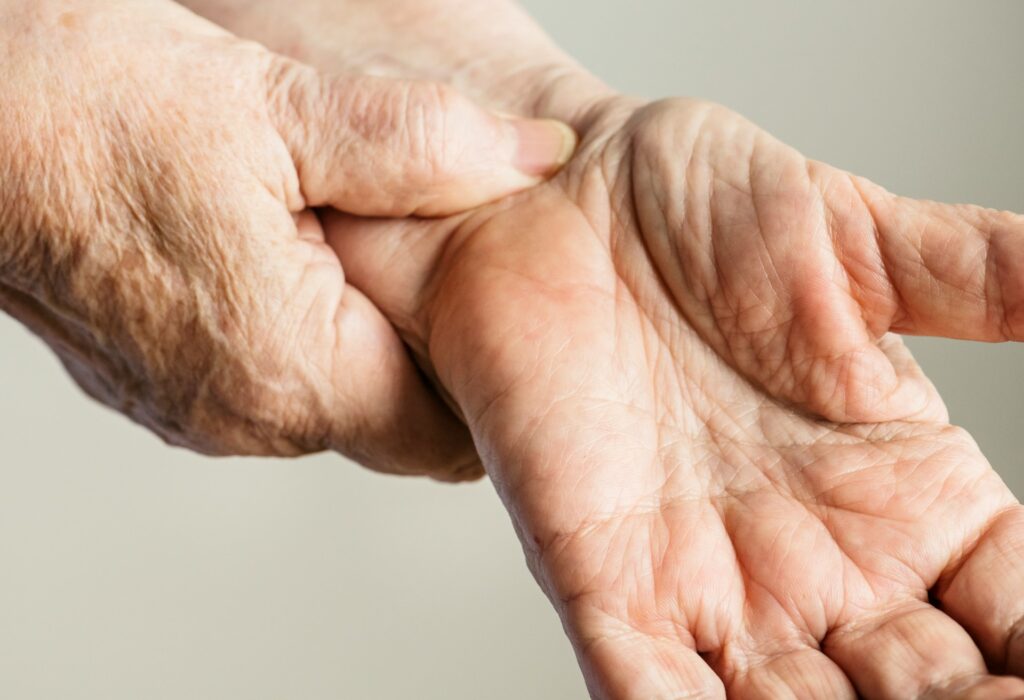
[(677, 362), (674, 360), (156, 179)]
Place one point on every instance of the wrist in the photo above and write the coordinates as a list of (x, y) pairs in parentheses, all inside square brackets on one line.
[(490, 50)]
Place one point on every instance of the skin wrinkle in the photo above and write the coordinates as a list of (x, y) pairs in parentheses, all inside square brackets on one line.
[(662, 289), (954, 684), (728, 312), (995, 295), (795, 349), (894, 205), (924, 687), (566, 444), (706, 223), (283, 97), (804, 685), (165, 240), (654, 190), (977, 290), (782, 600), (901, 304), (870, 623), (878, 323), (873, 580), (970, 545)]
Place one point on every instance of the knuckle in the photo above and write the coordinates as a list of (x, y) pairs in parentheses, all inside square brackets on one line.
[(294, 95), (263, 391), (249, 410)]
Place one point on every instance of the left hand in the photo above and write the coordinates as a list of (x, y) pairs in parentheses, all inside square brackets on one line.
[(677, 362)]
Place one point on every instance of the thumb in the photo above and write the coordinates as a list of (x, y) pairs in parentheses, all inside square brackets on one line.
[(382, 147), (953, 271)]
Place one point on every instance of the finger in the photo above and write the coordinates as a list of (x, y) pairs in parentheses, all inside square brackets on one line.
[(904, 266), (804, 250), (915, 387), (795, 673), (622, 663), (912, 651), (388, 417), (406, 248), (346, 372), (382, 147), (985, 592), (382, 412), (927, 268)]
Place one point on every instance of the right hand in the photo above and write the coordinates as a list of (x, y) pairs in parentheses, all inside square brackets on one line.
[(156, 175)]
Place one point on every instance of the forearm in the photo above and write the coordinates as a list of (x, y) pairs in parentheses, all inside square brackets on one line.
[(488, 49)]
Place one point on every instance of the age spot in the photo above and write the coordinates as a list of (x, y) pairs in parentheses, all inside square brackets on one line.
[(68, 20)]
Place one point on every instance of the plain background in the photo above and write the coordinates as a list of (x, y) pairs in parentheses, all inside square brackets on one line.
[(132, 571)]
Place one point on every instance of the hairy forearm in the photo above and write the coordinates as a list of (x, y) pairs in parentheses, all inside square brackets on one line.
[(489, 49)]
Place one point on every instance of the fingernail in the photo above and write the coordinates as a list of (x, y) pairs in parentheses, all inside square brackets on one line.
[(545, 145)]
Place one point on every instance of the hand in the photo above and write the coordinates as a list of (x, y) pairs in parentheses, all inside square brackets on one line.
[(489, 50), (676, 360), (647, 368), (156, 174)]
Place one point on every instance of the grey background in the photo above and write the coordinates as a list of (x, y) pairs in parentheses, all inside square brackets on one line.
[(128, 570)]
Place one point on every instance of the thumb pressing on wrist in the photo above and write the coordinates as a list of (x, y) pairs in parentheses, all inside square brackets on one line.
[(382, 147)]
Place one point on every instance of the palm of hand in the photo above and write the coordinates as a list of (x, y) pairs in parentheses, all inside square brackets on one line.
[(675, 364)]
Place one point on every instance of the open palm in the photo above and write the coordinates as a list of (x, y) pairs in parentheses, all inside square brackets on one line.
[(675, 361)]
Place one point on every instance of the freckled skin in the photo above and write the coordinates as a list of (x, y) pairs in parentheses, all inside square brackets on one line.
[(157, 179), (677, 364)]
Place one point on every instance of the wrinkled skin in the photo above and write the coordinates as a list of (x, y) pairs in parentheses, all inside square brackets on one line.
[(645, 351), (156, 179), (676, 362)]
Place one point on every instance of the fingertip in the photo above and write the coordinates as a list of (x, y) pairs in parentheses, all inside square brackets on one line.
[(521, 155), (466, 473), (543, 146)]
